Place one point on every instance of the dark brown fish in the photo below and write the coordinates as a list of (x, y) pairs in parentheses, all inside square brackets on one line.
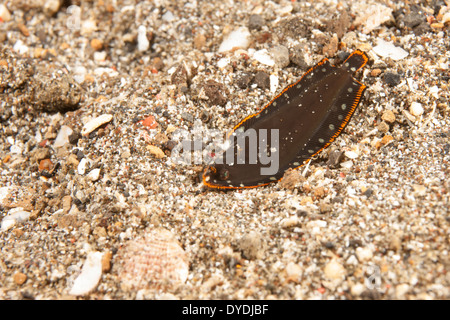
[(301, 121)]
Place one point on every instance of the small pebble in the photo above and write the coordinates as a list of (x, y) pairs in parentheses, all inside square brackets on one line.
[(387, 139), (281, 56), (96, 44), (23, 28), (74, 137), (106, 261), (395, 243), (357, 289), (364, 254), (149, 122), (255, 22), (95, 123), (157, 152), (298, 56), (290, 222), (391, 78), (45, 164), (334, 270), (386, 49), (263, 57), (90, 275), (371, 15), (41, 154), (320, 192), (239, 38), (383, 127), (66, 203), (416, 109), (4, 13), (293, 271), (244, 80), (375, 72), (401, 290), (215, 92), (82, 166), (14, 216), (351, 154), (199, 41), (252, 246), (334, 158), (19, 278), (273, 83), (51, 7), (157, 63), (94, 174), (413, 19), (143, 43), (222, 63), (409, 116), (168, 16), (388, 116), (262, 79), (63, 136)]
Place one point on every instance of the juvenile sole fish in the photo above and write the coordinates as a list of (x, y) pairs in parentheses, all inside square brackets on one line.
[(301, 121)]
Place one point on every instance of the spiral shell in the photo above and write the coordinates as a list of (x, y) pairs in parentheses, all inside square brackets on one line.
[(155, 260)]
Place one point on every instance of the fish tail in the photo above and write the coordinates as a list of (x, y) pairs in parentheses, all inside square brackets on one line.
[(355, 61)]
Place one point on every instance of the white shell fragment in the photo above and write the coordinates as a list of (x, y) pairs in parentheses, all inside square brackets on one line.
[(351, 154), (94, 174), (152, 261), (13, 217), (63, 136), (263, 56), (273, 83), (90, 275), (4, 13), (386, 49), (142, 41), (239, 38), (222, 63), (416, 109), (82, 166), (334, 270), (95, 123), (371, 16)]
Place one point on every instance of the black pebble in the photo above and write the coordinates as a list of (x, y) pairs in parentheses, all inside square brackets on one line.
[(329, 245), (368, 193), (244, 80), (334, 158), (74, 137), (80, 155), (262, 79), (169, 145), (337, 199), (391, 78), (255, 22)]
